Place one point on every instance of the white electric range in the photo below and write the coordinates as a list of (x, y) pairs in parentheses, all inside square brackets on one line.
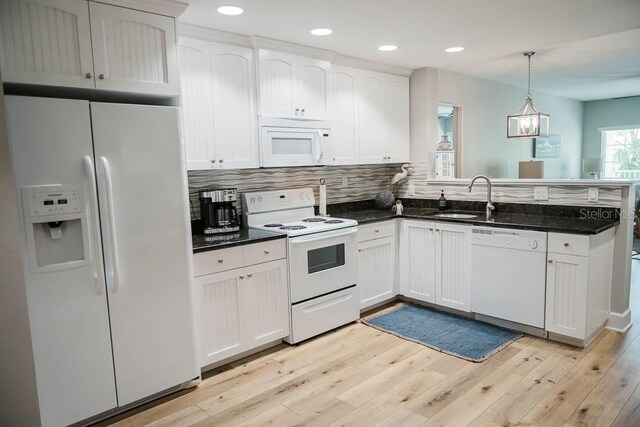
[(323, 259)]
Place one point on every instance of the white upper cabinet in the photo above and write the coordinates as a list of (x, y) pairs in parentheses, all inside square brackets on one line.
[(75, 43), (382, 118), (197, 103), (293, 86), (133, 51), (371, 117), (234, 101), (313, 75), (46, 42), (344, 93), (396, 99), (218, 105)]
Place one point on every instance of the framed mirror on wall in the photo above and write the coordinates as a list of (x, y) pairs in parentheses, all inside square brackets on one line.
[(449, 145)]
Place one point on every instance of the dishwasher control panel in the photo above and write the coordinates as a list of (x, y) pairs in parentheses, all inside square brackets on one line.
[(525, 240)]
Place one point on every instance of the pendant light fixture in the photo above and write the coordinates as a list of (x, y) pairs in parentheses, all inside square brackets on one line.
[(528, 122)]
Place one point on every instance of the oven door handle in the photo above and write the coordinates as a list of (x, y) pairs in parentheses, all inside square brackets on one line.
[(322, 236)]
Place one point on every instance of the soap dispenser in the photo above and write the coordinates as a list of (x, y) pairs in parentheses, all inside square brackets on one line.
[(442, 201)]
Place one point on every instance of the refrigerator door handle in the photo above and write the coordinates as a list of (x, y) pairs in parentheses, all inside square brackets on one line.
[(95, 223), (113, 242)]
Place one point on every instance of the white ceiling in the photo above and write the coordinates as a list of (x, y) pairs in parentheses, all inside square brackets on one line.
[(586, 49)]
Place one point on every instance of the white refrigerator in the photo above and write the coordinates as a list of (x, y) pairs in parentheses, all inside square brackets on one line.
[(107, 249)]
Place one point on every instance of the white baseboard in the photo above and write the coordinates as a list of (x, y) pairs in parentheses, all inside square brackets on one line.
[(619, 322)]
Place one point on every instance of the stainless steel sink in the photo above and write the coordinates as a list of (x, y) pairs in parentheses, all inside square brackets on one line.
[(455, 215)]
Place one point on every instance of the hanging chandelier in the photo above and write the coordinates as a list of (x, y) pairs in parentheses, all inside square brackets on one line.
[(528, 122)]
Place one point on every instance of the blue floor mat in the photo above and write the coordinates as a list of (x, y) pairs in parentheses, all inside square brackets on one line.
[(465, 338)]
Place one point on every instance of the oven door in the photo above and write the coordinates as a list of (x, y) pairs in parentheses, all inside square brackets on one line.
[(291, 147), (322, 263)]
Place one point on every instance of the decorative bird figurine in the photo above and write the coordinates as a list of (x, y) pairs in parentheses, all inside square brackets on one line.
[(397, 178), (400, 175)]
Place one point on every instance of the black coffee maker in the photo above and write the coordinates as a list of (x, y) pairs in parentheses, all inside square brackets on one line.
[(217, 211)]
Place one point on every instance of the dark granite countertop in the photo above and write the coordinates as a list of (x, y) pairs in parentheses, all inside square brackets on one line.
[(202, 243), (560, 224)]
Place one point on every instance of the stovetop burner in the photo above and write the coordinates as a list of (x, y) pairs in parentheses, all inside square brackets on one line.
[(272, 225), (292, 227), (334, 221), (316, 219)]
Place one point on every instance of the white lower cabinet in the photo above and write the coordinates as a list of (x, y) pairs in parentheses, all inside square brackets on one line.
[(435, 263), (578, 284), (240, 309), (377, 264)]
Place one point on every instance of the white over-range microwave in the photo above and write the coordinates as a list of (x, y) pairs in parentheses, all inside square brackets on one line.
[(285, 142)]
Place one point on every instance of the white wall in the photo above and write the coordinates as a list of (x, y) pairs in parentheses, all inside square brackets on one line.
[(18, 394), (607, 113), (485, 106)]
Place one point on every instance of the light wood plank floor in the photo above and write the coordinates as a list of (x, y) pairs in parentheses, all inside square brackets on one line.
[(359, 376)]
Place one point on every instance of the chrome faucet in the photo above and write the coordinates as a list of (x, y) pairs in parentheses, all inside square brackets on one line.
[(490, 206)]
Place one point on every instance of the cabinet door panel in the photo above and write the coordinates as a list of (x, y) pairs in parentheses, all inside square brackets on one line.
[(221, 327), (567, 281), (312, 88), (396, 98), (453, 268), (197, 103), (278, 84), (265, 302), (372, 129), (344, 95), (417, 260), (46, 42), (134, 51), (234, 106), (377, 271)]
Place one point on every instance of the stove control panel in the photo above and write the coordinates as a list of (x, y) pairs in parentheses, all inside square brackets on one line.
[(267, 201)]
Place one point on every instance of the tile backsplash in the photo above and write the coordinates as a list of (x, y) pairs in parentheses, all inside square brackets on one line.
[(362, 181)]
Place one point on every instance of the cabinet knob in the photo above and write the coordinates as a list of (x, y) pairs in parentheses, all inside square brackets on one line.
[(550, 261), (89, 75), (220, 261), (101, 76), (302, 112), (249, 275), (221, 160), (297, 111), (566, 245), (267, 252), (213, 161), (241, 277), (377, 231)]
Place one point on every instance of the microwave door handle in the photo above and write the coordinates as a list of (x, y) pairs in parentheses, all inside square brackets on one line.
[(313, 238), (318, 146)]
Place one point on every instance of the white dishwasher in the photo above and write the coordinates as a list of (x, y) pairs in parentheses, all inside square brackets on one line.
[(508, 274)]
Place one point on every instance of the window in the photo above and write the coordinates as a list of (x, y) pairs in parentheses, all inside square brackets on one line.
[(621, 153)]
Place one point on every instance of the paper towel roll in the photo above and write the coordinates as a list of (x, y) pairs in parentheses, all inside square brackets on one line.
[(322, 203)]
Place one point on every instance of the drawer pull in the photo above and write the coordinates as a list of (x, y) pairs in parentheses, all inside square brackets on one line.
[(566, 245), (266, 252), (550, 261), (220, 261)]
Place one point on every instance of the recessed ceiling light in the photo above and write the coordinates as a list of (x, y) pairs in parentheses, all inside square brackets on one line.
[(321, 31), (387, 47), (230, 10), (454, 49)]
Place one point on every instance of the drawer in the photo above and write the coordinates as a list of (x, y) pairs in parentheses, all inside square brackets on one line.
[(570, 244), (216, 261), (322, 314), (265, 251), (376, 230)]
